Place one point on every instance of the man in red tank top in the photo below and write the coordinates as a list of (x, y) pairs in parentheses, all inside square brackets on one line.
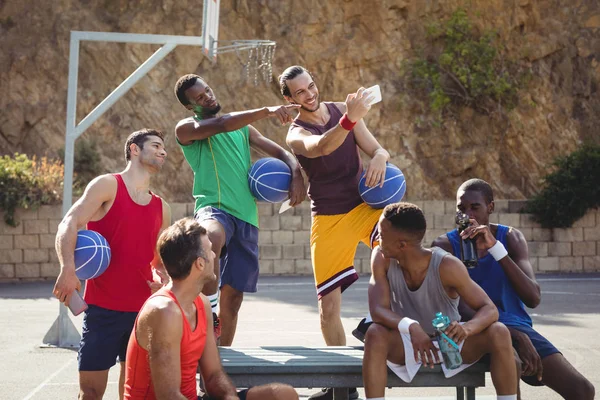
[(170, 337), (122, 208)]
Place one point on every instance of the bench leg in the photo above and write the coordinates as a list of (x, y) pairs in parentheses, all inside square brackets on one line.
[(340, 393), (470, 393), (460, 393)]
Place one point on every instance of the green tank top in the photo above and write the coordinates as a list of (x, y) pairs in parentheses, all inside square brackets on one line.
[(220, 164)]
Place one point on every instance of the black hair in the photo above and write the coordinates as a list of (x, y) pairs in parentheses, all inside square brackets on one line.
[(406, 217), (288, 74), (179, 247), (183, 84), (480, 186), (139, 138)]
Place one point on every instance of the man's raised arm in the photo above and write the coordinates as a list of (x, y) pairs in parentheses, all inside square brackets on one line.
[(305, 144), (191, 129)]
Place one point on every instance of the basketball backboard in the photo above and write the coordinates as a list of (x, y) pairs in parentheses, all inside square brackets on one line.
[(210, 30)]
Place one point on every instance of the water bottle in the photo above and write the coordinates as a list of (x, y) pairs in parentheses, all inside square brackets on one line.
[(468, 252), (450, 351)]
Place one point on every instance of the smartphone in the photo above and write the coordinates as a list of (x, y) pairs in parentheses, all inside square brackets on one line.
[(374, 91), (77, 305)]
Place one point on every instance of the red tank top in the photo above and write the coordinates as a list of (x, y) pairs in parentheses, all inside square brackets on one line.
[(138, 381), (131, 231)]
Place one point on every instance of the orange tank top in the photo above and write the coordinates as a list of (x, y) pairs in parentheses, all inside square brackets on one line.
[(138, 381)]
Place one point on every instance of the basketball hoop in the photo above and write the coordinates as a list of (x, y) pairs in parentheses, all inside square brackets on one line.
[(256, 57)]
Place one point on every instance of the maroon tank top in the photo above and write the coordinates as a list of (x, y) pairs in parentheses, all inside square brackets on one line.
[(333, 179)]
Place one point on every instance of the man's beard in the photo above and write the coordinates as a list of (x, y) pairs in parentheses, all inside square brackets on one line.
[(317, 105), (212, 111), (203, 112)]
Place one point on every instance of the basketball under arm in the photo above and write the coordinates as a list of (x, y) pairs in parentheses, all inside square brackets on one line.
[(99, 191)]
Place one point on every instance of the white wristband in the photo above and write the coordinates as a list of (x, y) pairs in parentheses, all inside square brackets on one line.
[(405, 323), (498, 251)]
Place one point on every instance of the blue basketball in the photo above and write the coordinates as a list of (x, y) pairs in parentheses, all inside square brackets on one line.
[(269, 179), (92, 254), (392, 191)]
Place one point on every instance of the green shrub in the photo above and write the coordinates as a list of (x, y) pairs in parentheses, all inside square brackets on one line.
[(570, 190), (28, 183), (466, 70)]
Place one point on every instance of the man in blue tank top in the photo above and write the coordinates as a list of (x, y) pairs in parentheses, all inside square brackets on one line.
[(503, 270)]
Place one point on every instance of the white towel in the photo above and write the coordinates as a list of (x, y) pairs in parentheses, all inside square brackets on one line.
[(408, 371)]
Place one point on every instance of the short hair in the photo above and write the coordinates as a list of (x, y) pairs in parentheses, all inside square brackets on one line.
[(179, 246), (288, 74), (480, 186), (406, 217), (139, 138), (183, 84)]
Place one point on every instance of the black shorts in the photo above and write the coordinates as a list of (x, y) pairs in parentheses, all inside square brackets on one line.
[(104, 338)]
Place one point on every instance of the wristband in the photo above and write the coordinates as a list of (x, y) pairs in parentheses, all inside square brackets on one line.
[(405, 323), (498, 251), (346, 123)]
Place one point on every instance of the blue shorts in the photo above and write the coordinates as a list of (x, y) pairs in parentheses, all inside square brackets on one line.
[(104, 338), (542, 345), (239, 256)]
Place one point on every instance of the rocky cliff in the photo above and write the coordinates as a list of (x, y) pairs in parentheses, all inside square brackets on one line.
[(346, 43)]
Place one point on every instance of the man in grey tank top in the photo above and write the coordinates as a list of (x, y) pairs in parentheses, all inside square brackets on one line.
[(409, 285)]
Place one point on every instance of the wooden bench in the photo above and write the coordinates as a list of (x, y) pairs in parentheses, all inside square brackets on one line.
[(335, 367)]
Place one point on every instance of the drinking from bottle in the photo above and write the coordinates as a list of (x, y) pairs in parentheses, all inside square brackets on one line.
[(468, 252)]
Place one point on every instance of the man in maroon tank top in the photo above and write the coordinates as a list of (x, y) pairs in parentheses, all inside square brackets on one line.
[(170, 339), (326, 137), (122, 208)]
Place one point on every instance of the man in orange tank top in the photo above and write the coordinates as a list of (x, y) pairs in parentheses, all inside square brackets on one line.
[(122, 208), (170, 339)]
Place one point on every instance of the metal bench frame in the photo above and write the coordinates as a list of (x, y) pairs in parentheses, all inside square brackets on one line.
[(335, 367)]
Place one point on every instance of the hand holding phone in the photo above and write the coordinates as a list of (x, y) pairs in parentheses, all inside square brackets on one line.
[(374, 91), (77, 305)]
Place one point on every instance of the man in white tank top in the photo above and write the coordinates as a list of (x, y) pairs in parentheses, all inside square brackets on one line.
[(408, 284)]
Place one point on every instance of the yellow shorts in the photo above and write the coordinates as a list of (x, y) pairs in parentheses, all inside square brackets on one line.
[(333, 242)]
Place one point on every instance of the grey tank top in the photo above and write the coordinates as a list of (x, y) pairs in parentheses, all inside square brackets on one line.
[(429, 299)]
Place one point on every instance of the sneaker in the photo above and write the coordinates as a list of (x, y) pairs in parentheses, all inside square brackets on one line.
[(217, 327), (361, 330), (327, 394)]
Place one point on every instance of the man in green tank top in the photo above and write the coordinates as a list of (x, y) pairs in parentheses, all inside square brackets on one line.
[(217, 148)]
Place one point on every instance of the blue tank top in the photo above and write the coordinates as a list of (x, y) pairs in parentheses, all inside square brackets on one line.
[(491, 277)]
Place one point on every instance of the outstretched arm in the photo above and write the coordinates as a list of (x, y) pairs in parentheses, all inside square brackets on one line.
[(191, 129), (98, 192), (269, 147)]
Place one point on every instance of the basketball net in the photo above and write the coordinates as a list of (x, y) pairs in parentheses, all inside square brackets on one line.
[(255, 56)]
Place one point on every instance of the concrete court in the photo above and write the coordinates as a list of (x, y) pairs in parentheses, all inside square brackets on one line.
[(283, 312)]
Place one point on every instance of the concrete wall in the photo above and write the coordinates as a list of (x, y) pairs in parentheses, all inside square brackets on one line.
[(27, 251)]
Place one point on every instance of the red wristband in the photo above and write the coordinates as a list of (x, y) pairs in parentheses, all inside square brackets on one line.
[(346, 123)]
